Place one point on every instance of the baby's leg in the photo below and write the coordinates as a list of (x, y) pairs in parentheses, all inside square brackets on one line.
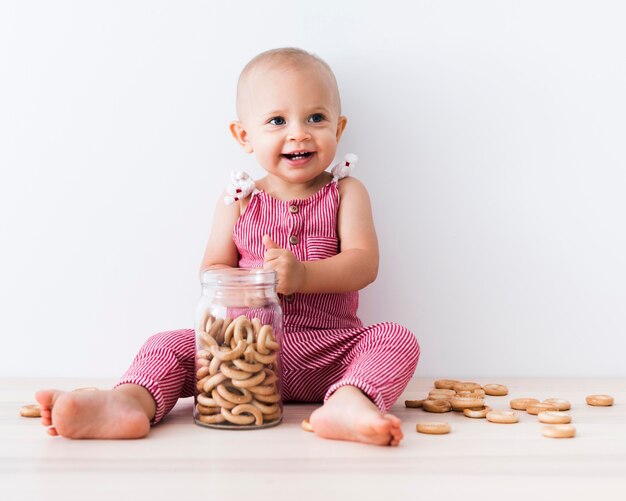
[(124, 412), (162, 372), (381, 361)]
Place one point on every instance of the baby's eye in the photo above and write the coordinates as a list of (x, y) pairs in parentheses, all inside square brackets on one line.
[(317, 118), (277, 121)]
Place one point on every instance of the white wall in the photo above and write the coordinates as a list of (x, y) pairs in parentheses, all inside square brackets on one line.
[(490, 133)]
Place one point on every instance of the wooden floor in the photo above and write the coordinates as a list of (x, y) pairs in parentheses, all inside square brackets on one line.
[(179, 460)]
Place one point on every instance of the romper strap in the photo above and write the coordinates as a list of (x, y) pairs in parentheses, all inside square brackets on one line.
[(344, 168), (241, 185)]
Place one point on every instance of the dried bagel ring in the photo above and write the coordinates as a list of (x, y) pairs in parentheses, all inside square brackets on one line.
[(230, 330), (202, 362), (256, 325), (436, 405), (249, 409), (477, 413), (200, 384), (535, 409), (236, 352), (267, 340), (264, 408), (413, 404), (562, 404), (220, 336), (255, 380), (270, 377), (203, 372), (466, 386), (559, 431), (207, 411), (272, 344), (243, 324), (204, 399), (433, 428), (241, 420), (442, 391), (496, 390), (265, 359), (221, 401), (306, 425), (446, 384), (245, 366), (207, 341), (249, 353), (554, 417), (521, 404), (212, 382), (600, 400), (207, 321), (211, 419), (263, 389), (214, 366), (268, 399), (234, 373), (478, 393), (204, 321), (440, 396), (213, 328), (265, 331), (273, 417), (460, 403), (238, 398), (220, 349), (502, 417), (30, 410), (203, 355)]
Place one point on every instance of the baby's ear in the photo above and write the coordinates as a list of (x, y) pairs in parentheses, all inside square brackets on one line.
[(241, 135), (341, 125)]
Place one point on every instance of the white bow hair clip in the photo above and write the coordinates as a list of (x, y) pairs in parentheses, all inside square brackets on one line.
[(241, 185), (344, 168)]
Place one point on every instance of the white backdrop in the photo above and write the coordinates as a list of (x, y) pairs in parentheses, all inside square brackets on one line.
[(490, 135)]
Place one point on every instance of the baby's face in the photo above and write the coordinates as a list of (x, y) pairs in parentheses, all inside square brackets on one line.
[(289, 118)]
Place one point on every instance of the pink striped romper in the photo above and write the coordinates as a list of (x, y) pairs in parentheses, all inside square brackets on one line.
[(325, 345)]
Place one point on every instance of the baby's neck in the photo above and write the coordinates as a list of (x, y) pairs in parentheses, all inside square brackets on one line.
[(284, 190)]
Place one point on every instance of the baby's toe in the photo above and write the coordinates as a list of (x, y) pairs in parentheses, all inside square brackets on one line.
[(46, 398), (395, 430), (395, 420)]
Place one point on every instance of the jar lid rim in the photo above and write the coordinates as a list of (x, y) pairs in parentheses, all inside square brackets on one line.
[(238, 276)]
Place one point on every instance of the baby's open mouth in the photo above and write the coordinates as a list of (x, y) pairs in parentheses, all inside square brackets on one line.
[(299, 155)]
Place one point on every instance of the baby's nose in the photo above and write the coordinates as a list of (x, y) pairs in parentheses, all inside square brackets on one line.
[(298, 133)]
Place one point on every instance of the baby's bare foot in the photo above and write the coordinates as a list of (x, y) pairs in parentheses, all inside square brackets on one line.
[(93, 414), (349, 415)]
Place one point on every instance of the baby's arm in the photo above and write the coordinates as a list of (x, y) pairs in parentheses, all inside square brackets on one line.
[(356, 265), (221, 251), (353, 268)]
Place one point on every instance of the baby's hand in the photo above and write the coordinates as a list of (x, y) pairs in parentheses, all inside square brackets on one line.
[(289, 271)]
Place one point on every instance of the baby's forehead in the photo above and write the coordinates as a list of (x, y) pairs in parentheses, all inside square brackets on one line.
[(283, 63), (265, 72)]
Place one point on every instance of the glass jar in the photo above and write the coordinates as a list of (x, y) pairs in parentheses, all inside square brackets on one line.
[(239, 328)]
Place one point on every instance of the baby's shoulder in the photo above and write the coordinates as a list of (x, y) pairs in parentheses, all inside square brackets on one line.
[(350, 185)]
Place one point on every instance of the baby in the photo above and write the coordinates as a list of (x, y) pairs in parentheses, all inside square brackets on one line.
[(316, 231)]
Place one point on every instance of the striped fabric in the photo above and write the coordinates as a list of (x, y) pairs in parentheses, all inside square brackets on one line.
[(312, 224), (325, 345)]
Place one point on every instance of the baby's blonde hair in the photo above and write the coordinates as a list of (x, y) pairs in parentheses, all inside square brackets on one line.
[(287, 57)]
